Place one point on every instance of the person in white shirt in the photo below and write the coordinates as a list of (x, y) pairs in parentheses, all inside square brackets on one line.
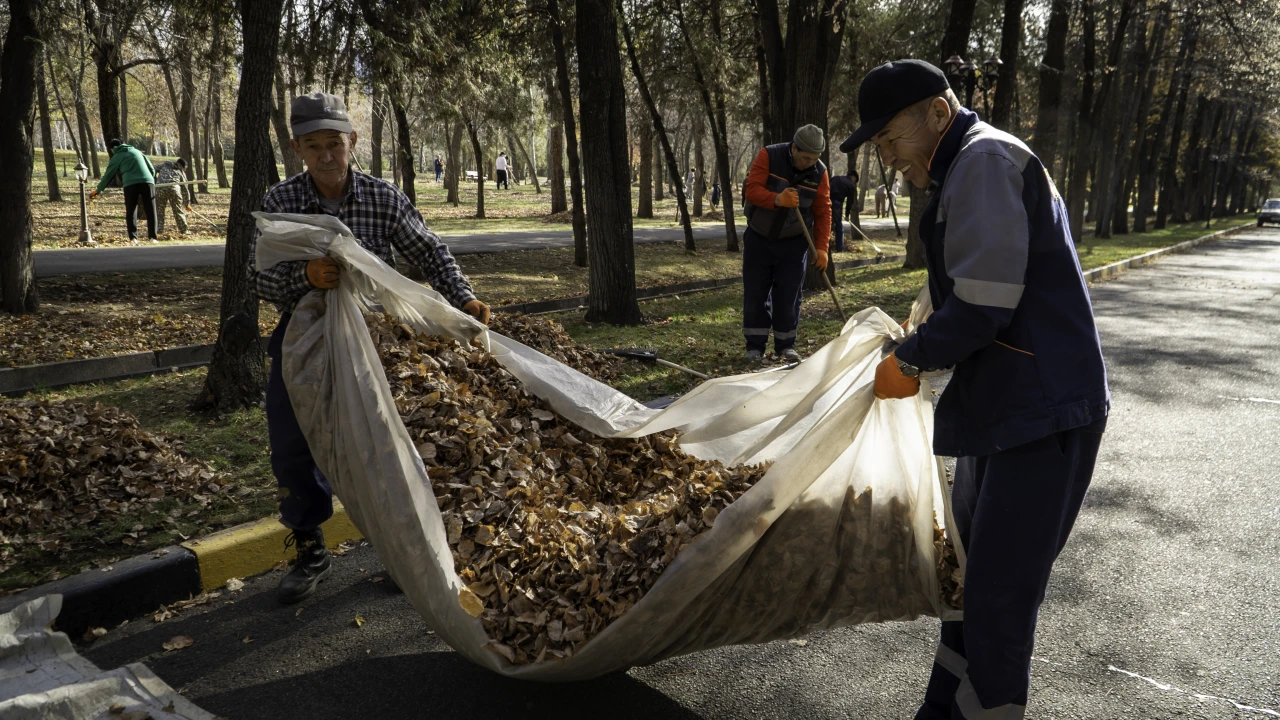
[(501, 166)]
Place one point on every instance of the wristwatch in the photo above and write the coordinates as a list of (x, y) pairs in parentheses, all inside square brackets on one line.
[(906, 368)]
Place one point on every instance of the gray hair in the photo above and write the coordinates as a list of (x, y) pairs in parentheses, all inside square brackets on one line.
[(920, 110)]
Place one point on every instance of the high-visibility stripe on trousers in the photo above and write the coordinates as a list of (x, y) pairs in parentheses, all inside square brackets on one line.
[(772, 280), (1013, 512)]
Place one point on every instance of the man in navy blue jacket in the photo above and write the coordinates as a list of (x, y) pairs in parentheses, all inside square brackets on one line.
[(1027, 404)]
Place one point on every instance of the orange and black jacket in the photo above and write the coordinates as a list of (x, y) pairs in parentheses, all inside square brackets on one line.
[(771, 173)]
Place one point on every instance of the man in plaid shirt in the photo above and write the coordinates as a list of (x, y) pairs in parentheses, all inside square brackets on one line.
[(380, 217)]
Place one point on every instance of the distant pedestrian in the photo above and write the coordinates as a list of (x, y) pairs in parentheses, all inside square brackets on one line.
[(688, 182), (501, 165), (843, 188), (893, 196), (715, 195), (880, 198), (175, 194), (439, 167), (138, 176)]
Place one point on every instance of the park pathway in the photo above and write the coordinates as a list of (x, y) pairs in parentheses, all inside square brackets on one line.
[(1161, 606), (75, 261)]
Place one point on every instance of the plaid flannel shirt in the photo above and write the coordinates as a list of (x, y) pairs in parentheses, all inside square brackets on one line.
[(380, 217)]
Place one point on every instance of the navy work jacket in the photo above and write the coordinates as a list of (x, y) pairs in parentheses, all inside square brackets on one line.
[(1011, 306)]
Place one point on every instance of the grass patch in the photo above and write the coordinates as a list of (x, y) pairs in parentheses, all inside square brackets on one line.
[(1121, 247), (704, 330), (235, 445)]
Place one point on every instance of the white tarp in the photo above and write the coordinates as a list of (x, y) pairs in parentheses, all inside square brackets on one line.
[(782, 560), (43, 678)]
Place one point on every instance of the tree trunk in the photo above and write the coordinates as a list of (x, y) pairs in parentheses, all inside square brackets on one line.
[(86, 136), (292, 163), (524, 152), (1010, 47), (18, 65), (204, 140), (955, 39), (453, 168), (62, 110), (474, 134), (802, 68), (1136, 163), (1076, 189), (375, 136), (645, 208), (404, 151), (46, 136), (658, 162), (124, 108), (661, 131), (1150, 174), (184, 115), (1051, 71), (570, 132), (237, 375), (699, 171), (1183, 195), (219, 161), (555, 151), (611, 296), (1169, 167), (1114, 152), (915, 246)]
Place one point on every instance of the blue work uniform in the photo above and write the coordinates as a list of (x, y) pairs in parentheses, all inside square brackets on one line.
[(1024, 411), (775, 251)]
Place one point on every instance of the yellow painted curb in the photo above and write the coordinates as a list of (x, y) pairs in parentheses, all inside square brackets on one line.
[(256, 547)]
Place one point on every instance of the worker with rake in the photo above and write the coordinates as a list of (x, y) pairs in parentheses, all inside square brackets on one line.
[(784, 178), (1026, 407), (381, 217)]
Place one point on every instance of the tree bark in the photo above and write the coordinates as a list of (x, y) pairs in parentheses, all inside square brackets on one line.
[(915, 246), (661, 131), (1190, 156), (1136, 161), (611, 295), (453, 167), (524, 152), (1151, 174), (124, 107), (237, 375), (699, 171), (46, 136), (645, 207), (185, 113), (658, 162), (555, 151), (292, 163), (62, 110), (1052, 69), (955, 39), (375, 136), (801, 68), (571, 134), (474, 134), (1010, 48), (87, 137), (18, 65), (404, 150), (1114, 152), (1076, 189)]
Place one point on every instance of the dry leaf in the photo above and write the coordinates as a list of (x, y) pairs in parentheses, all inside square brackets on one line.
[(358, 621), (93, 634), (247, 640), (178, 642), (235, 584), (470, 602)]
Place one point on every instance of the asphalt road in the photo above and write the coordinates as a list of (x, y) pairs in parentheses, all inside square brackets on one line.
[(1171, 574), (75, 261)]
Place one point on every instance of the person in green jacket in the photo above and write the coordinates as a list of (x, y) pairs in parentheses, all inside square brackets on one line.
[(138, 176)]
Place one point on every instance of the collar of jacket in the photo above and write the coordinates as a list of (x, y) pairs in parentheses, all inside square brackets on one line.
[(949, 145), (355, 187)]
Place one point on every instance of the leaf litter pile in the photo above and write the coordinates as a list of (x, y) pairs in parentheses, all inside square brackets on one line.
[(556, 533), (67, 465)]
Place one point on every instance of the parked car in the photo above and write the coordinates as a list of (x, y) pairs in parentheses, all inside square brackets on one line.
[(1270, 212)]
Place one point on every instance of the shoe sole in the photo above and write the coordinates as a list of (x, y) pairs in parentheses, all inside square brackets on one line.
[(324, 574)]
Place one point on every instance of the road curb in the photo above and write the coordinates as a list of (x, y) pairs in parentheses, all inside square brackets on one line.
[(138, 585), (1107, 272)]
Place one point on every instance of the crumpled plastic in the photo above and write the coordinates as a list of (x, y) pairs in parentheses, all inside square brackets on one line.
[(771, 567)]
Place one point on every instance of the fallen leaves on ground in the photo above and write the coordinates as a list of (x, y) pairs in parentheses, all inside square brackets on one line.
[(549, 338), (68, 465), (173, 609), (358, 621), (235, 584), (178, 642)]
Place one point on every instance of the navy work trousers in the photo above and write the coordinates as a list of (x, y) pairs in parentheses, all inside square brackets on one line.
[(837, 225), (1014, 511), (307, 498), (772, 280)]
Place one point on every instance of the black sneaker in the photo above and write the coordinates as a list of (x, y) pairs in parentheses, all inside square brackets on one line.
[(311, 566)]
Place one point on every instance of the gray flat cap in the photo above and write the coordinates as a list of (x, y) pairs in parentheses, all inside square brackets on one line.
[(318, 111)]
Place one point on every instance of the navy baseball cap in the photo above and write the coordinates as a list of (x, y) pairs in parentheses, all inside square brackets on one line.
[(890, 89)]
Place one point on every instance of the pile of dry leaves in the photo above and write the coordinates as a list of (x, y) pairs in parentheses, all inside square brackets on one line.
[(555, 533), (550, 338), (67, 464)]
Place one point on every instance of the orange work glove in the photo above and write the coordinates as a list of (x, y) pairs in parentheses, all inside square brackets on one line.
[(323, 272), (820, 260), (788, 198), (93, 193), (891, 384), (478, 310), (188, 208)]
